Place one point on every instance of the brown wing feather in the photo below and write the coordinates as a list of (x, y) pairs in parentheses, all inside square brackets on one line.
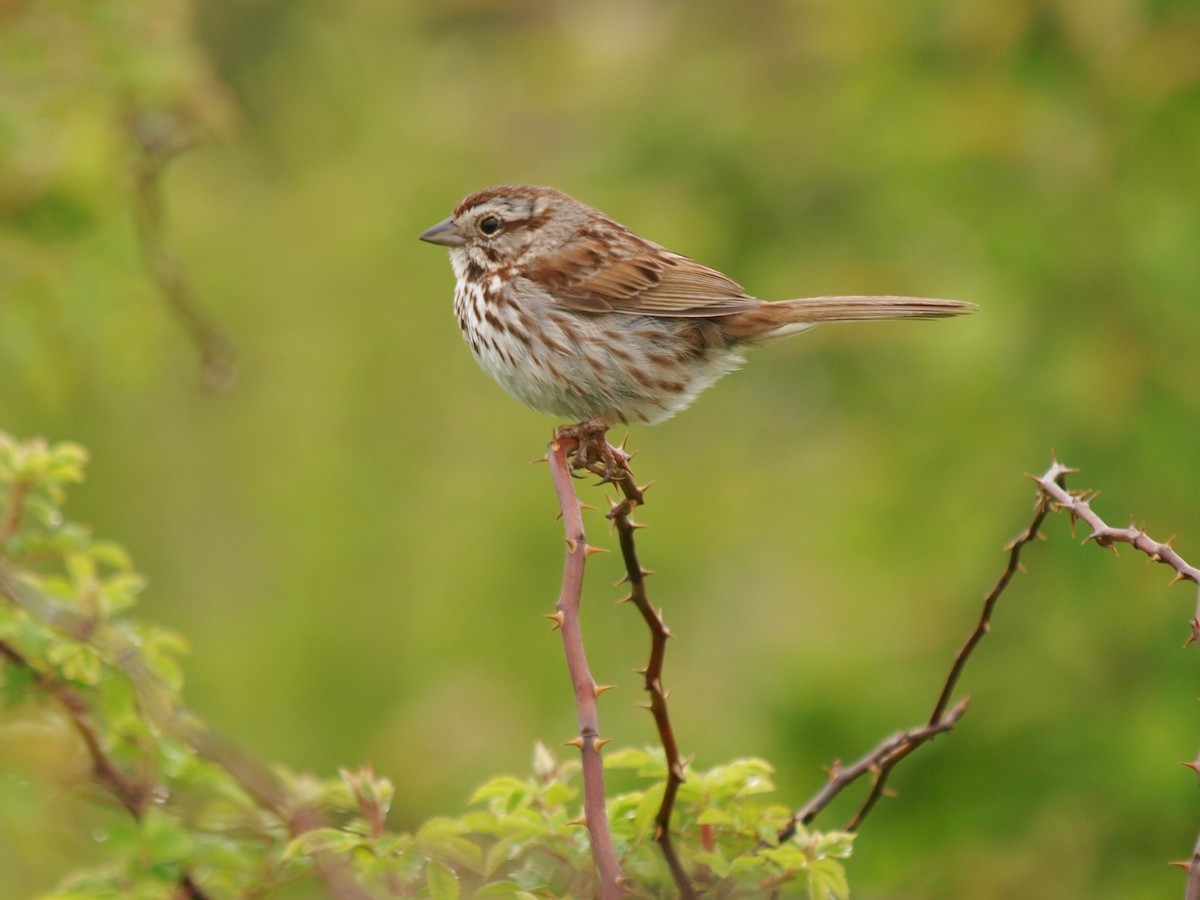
[(644, 279)]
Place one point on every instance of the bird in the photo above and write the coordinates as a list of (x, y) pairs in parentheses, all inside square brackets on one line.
[(581, 318)]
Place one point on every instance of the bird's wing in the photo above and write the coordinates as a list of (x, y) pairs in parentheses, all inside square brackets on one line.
[(650, 281)]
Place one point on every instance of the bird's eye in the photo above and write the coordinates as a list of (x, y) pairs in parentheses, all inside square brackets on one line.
[(489, 225)]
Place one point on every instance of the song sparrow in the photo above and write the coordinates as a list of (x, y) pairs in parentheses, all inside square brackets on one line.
[(577, 316)]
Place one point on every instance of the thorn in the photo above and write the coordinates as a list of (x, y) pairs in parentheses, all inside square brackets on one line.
[(644, 572), (581, 821), (625, 599), (642, 488), (1194, 765), (1184, 864), (589, 550), (557, 618), (666, 695), (574, 742), (642, 671), (544, 458), (583, 505), (644, 704), (1179, 576), (599, 743), (622, 580), (598, 689), (572, 545)]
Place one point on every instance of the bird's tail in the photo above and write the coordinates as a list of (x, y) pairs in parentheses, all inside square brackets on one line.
[(772, 321)]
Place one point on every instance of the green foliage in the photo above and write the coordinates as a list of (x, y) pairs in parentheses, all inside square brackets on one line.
[(200, 814)]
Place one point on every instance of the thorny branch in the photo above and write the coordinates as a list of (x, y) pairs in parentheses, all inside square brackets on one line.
[(594, 454), (888, 754), (566, 620), (1077, 505), (617, 471), (1052, 497)]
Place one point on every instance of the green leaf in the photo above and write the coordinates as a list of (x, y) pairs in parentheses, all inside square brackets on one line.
[(628, 758), (443, 883), (80, 663), (647, 811), (827, 880), (504, 790), (334, 840), (715, 861), (442, 837), (715, 816)]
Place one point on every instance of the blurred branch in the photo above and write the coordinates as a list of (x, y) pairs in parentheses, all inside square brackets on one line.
[(566, 619), (128, 791), (155, 699), (158, 138)]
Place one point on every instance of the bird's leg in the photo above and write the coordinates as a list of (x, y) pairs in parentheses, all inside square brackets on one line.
[(593, 451), (589, 438)]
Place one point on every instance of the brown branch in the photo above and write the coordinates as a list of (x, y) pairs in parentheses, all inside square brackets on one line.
[(889, 752), (621, 516), (130, 793), (158, 138), (158, 707), (880, 762), (127, 791), (1077, 505), (566, 619)]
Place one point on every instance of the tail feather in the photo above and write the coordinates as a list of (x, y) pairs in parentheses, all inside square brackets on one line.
[(772, 321)]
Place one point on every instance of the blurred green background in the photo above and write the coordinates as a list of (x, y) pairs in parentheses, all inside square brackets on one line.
[(352, 538)]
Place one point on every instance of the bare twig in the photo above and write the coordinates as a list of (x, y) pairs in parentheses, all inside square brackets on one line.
[(889, 752), (880, 762), (1078, 506), (621, 515), (566, 619), (159, 137)]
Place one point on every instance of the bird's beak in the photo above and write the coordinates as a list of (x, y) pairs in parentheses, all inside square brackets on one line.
[(445, 233)]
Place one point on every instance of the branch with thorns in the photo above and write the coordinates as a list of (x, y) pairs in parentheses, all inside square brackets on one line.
[(1052, 497), (592, 453)]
